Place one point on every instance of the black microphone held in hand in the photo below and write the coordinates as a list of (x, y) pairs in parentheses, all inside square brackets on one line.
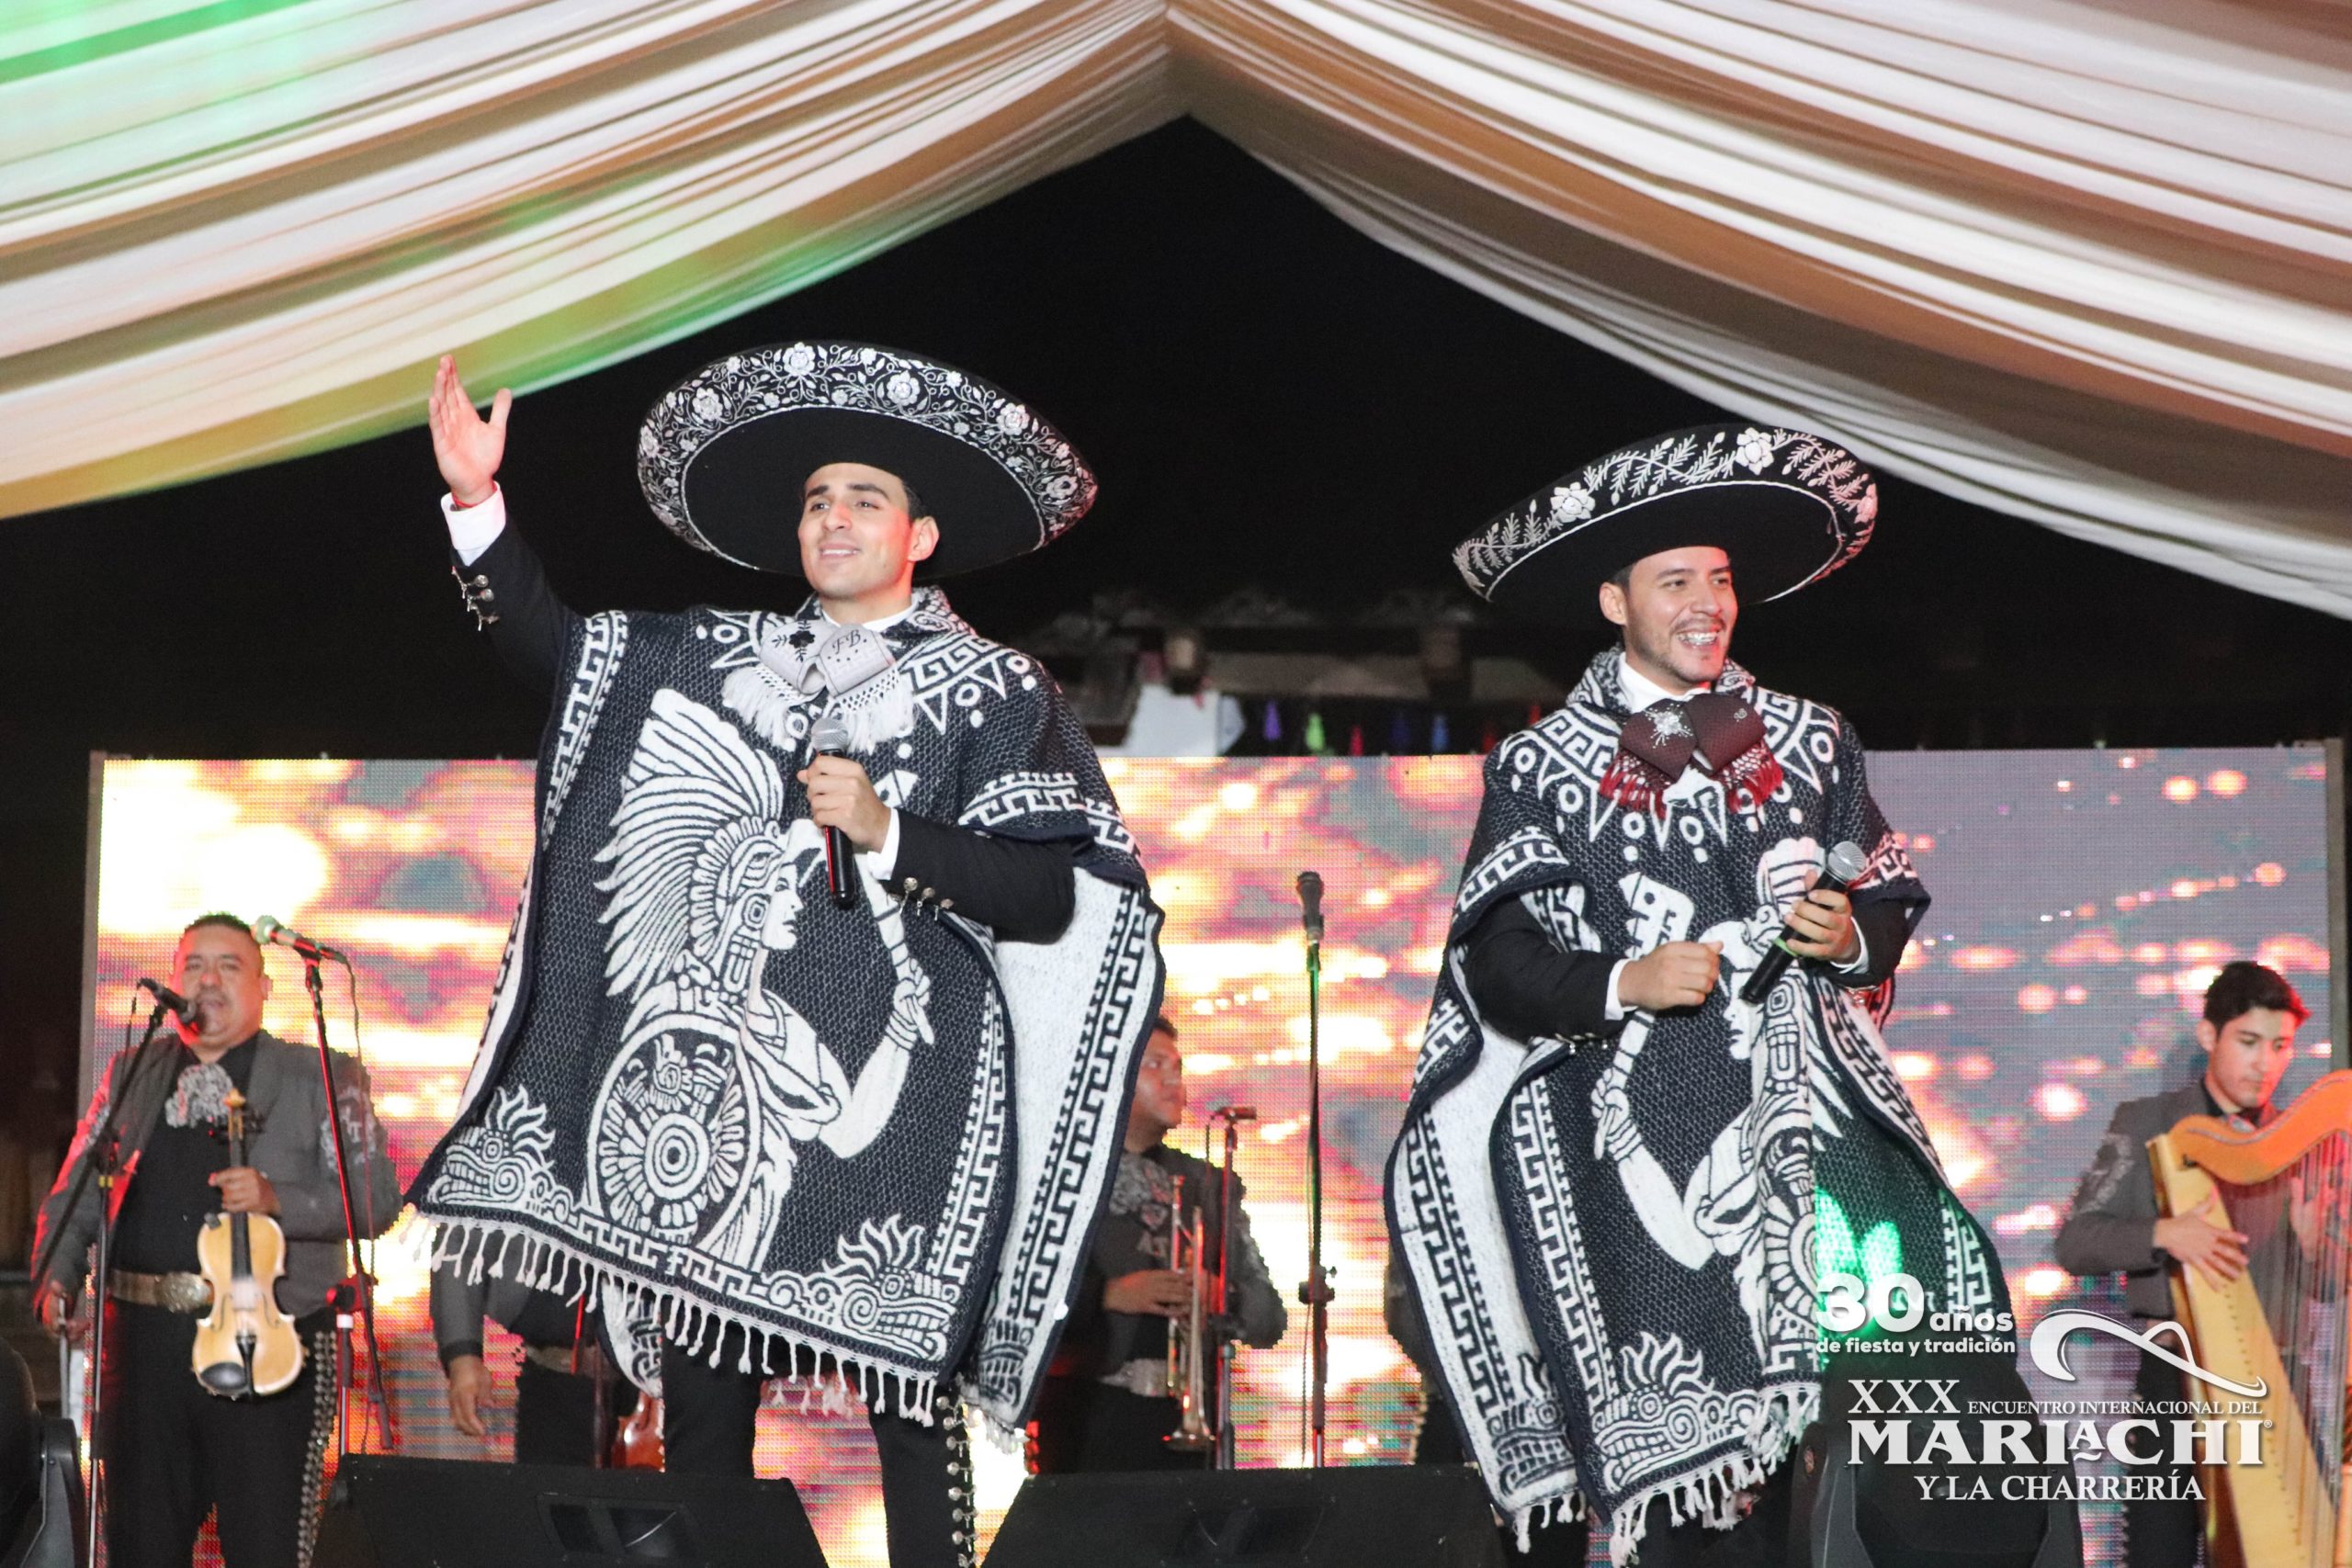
[(1310, 902), (831, 739), (1846, 862), (171, 1000)]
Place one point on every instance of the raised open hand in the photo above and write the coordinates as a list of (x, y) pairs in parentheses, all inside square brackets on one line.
[(467, 447)]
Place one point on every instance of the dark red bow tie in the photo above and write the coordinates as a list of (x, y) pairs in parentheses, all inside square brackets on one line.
[(1722, 729)]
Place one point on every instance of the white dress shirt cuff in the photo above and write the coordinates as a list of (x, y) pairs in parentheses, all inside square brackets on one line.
[(1862, 959), (881, 864), (1612, 1009), (473, 529)]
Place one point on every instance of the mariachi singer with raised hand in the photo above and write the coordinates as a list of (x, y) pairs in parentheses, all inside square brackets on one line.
[(812, 1050)]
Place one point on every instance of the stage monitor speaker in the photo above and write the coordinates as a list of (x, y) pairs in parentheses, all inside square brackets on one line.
[(1844, 1515), (1350, 1516), (47, 1527), (40, 1477), (423, 1513)]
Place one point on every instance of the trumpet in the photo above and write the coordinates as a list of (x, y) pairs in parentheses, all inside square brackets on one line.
[(1200, 1349), (1188, 1352)]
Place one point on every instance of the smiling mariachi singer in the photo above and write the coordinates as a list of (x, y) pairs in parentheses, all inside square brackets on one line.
[(1622, 1309), (173, 1451), (770, 1132)]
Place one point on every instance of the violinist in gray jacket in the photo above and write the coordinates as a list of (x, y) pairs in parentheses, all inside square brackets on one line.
[(175, 1450)]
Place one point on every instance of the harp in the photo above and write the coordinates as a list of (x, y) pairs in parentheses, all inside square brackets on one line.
[(2281, 1322)]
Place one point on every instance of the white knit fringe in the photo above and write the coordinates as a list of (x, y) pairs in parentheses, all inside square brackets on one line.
[(1004, 1439), (1526, 1521), (1709, 1497), (549, 1263)]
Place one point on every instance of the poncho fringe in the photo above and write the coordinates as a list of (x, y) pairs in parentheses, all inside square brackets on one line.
[(549, 1265)]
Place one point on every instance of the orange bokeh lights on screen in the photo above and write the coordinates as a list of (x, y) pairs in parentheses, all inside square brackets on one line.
[(2056, 974)]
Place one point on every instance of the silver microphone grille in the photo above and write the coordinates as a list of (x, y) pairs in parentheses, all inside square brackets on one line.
[(1847, 862), (265, 929), (830, 735)]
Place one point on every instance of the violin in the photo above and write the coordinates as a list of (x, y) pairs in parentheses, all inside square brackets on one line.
[(638, 1445), (246, 1346)]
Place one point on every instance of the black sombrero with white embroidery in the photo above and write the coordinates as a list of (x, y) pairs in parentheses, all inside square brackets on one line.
[(723, 455), (1789, 508)]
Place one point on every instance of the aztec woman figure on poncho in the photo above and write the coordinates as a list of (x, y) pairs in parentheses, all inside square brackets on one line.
[(773, 1134), (1617, 1183)]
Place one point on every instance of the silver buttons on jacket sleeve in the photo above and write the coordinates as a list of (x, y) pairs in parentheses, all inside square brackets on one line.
[(479, 595)]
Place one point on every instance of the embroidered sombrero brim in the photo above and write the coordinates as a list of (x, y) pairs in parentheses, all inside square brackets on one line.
[(1787, 507), (724, 456)]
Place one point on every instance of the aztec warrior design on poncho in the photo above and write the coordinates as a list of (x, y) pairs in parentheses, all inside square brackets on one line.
[(1748, 1144), (874, 1135)]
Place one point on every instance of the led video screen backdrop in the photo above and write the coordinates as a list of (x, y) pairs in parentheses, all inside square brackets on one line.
[(2082, 901)]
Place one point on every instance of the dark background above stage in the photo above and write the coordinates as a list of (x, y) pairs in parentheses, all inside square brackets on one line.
[(1273, 403)]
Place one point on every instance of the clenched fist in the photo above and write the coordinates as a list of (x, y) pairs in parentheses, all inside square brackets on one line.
[(1678, 974), (56, 1309), (1163, 1292), (840, 795), (1824, 923), (244, 1191)]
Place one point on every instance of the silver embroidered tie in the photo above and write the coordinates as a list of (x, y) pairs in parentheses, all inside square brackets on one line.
[(837, 658)]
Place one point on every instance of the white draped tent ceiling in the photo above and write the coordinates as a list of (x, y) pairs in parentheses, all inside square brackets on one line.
[(2089, 264)]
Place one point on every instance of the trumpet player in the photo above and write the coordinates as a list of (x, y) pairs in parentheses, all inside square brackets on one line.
[(1108, 1402)]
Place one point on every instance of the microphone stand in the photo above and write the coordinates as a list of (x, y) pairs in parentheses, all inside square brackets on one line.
[(357, 1289), (588, 1358), (103, 1158), (1314, 1290), (1224, 1457)]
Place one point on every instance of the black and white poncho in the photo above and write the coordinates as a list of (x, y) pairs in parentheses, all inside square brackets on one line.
[(672, 1105), (1615, 1241)]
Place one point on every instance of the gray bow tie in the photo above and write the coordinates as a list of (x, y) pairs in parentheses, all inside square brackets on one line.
[(837, 658)]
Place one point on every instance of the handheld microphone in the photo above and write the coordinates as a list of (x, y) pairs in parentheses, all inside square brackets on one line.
[(831, 739), (269, 930), (169, 1000), (1310, 902), (1846, 862)]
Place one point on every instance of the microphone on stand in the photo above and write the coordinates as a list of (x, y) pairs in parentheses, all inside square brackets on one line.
[(831, 739), (270, 930), (1846, 862), (171, 1000), (1234, 1113), (1314, 1290), (1310, 901)]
